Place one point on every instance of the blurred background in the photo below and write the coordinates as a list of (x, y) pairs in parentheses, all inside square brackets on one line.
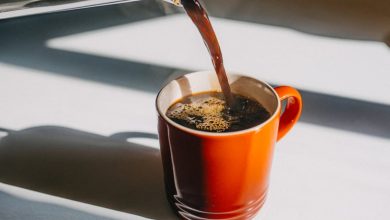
[(78, 124)]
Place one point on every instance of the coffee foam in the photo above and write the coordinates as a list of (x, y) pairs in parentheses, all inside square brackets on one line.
[(204, 113)]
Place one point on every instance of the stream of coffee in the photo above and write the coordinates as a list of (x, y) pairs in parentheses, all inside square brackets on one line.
[(199, 16)]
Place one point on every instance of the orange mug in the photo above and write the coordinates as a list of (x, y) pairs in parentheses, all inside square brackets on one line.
[(221, 175)]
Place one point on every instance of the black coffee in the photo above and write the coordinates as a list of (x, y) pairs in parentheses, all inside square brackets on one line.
[(208, 112), (198, 15)]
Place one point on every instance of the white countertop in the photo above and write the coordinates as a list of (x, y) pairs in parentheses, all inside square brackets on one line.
[(70, 102)]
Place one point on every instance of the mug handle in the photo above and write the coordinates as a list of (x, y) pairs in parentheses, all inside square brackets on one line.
[(293, 109)]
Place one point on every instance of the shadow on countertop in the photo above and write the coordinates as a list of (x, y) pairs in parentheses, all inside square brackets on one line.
[(15, 207), (111, 172)]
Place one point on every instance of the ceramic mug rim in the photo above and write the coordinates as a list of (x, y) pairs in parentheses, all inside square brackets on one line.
[(221, 134)]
